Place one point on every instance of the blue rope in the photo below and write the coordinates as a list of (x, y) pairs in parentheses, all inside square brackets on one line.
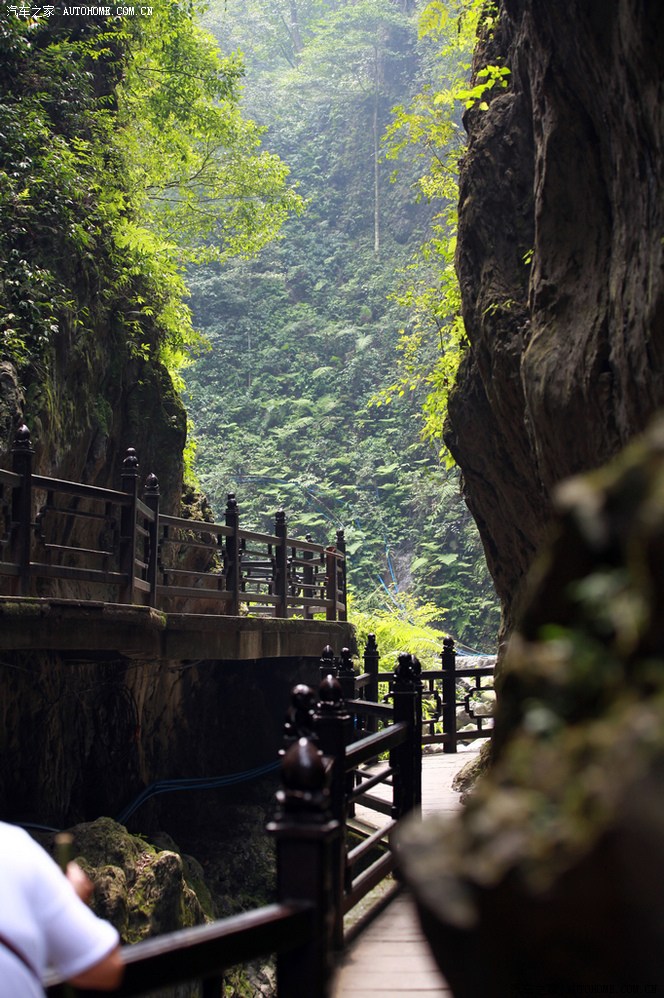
[(203, 783)]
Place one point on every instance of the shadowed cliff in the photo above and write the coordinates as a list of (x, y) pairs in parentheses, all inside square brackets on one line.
[(560, 261)]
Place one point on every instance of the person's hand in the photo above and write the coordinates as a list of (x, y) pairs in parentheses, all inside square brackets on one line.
[(80, 882)]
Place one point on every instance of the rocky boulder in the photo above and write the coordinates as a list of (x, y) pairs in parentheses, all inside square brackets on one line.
[(143, 889)]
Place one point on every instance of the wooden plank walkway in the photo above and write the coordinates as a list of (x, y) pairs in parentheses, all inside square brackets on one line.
[(391, 956)]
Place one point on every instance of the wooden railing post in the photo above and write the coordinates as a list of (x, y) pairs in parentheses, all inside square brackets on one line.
[(346, 674), (334, 730), (448, 657), (151, 500), (22, 458), (331, 574), (406, 759), (342, 572), (281, 574), (328, 666), (308, 578), (128, 524), (371, 660), (307, 844), (232, 552)]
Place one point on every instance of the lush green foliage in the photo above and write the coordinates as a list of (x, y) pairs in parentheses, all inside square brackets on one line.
[(434, 340), (394, 634), (302, 337), (122, 153)]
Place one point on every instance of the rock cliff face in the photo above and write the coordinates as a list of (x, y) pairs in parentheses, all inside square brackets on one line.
[(84, 412), (82, 738), (560, 257)]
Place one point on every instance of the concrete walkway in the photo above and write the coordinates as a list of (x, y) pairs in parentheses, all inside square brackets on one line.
[(391, 957)]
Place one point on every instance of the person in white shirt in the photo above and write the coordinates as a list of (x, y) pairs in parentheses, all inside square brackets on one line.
[(46, 925)]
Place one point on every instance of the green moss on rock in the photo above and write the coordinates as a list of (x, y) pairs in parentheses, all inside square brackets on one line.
[(141, 889)]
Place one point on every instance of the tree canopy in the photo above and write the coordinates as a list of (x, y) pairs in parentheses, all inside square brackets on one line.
[(123, 154)]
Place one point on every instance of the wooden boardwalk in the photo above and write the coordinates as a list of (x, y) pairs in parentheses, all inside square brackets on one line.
[(391, 956)]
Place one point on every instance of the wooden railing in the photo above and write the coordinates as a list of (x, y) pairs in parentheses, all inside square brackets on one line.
[(328, 860), (117, 546), (324, 776), (457, 701)]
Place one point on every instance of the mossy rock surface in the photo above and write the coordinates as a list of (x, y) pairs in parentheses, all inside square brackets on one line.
[(142, 889)]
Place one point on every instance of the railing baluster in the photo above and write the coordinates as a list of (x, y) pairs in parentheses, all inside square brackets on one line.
[(128, 524), (448, 658), (334, 728), (371, 660), (342, 573), (406, 759), (233, 553), (22, 457), (151, 499), (281, 575), (331, 574), (308, 578), (307, 844)]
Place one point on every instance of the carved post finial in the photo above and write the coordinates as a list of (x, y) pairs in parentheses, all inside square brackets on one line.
[(404, 674), (151, 485), (346, 674), (330, 694), (130, 464), (22, 440), (299, 721), (303, 780)]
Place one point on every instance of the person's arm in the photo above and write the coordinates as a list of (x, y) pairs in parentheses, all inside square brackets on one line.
[(104, 975), (108, 972), (80, 881)]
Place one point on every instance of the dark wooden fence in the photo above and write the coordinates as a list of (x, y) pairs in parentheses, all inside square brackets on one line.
[(321, 873), (456, 700), (338, 750), (117, 546)]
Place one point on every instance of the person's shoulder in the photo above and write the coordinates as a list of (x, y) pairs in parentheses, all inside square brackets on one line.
[(13, 833), (15, 842)]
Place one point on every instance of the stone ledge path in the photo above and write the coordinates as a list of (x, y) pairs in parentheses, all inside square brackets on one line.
[(391, 956)]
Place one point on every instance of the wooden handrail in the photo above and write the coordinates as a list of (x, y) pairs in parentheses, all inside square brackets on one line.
[(291, 579), (80, 489), (372, 745), (206, 950), (316, 889)]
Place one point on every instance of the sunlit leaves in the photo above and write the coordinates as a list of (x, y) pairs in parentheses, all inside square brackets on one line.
[(433, 342), (194, 161)]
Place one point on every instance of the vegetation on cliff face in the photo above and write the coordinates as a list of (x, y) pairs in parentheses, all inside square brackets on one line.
[(125, 156), (428, 128), (304, 336), (123, 153)]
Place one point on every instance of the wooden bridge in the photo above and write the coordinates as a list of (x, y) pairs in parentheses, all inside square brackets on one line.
[(87, 567), (89, 543), (351, 770), (391, 957)]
